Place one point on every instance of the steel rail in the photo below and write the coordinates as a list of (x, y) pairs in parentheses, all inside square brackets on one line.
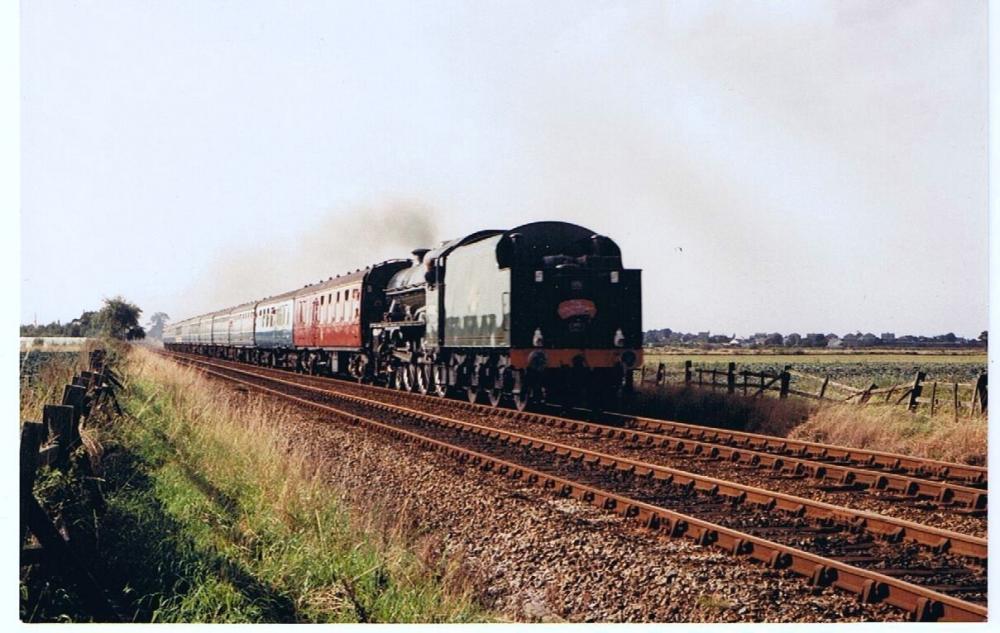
[(922, 604), (889, 528), (917, 466), (943, 493)]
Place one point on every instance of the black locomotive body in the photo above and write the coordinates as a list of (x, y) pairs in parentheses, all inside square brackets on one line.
[(542, 311)]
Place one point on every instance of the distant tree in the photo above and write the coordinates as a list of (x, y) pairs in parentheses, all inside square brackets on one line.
[(983, 336), (774, 339), (156, 323), (120, 319)]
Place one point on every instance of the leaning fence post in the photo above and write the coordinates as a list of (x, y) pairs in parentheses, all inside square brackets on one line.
[(731, 378), (915, 390), (822, 390), (56, 550), (933, 396)]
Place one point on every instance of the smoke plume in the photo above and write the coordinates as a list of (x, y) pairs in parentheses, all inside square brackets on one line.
[(343, 241)]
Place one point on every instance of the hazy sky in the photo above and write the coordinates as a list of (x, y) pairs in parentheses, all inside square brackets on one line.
[(800, 166)]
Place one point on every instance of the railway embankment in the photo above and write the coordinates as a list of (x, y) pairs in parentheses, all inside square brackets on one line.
[(210, 514)]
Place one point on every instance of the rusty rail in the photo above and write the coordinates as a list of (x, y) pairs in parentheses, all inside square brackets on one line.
[(916, 466)]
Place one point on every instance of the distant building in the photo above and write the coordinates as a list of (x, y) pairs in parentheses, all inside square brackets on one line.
[(888, 338), (868, 340)]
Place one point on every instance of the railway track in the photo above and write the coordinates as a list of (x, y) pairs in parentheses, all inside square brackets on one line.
[(893, 489), (928, 469), (932, 573)]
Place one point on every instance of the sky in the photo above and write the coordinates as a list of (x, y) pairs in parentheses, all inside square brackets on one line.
[(808, 166)]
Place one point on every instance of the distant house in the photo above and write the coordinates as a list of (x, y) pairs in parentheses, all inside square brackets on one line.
[(868, 340), (834, 342)]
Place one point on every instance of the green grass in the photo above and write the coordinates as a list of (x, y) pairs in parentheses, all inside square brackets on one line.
[(211, 518)]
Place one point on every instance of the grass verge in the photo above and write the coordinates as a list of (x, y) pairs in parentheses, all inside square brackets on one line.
[(897, 430), (211, 516), (884, 428)]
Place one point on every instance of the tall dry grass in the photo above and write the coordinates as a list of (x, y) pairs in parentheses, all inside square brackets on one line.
[(226, 473), (888, 428), (897, 430)]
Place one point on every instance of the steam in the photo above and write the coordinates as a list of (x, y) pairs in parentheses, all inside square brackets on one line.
[(343, 241)]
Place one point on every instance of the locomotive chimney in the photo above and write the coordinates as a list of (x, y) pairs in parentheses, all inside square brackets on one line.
[(418, 254)]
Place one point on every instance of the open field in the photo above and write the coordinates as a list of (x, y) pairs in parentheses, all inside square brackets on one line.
[(857, 369), (881, 424)]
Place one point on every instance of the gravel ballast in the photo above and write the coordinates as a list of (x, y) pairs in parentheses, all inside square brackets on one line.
[(532, 556)]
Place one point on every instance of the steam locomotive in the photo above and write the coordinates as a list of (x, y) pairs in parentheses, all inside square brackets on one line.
[(542, 312)]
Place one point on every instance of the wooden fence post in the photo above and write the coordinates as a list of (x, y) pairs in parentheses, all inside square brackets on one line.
[(786, 380), (933, 396), (661, 374), (66, 564), (822, 390), (867, 393), (915, 390), (58, 421), (980, 392), (75, 396), (731, 378), (955, 392), (687, 372), (642, 376), (32, 435)]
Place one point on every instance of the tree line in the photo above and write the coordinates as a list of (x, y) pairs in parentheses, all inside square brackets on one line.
[(117, 318)]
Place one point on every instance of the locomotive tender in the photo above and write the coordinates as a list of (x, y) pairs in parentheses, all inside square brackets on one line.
[(544, 311)]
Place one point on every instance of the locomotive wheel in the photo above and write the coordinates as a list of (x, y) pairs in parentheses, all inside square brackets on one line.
[(521, 399), (422, 373), (439, 381), (359, 369), (495, 395), (406, 378)]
